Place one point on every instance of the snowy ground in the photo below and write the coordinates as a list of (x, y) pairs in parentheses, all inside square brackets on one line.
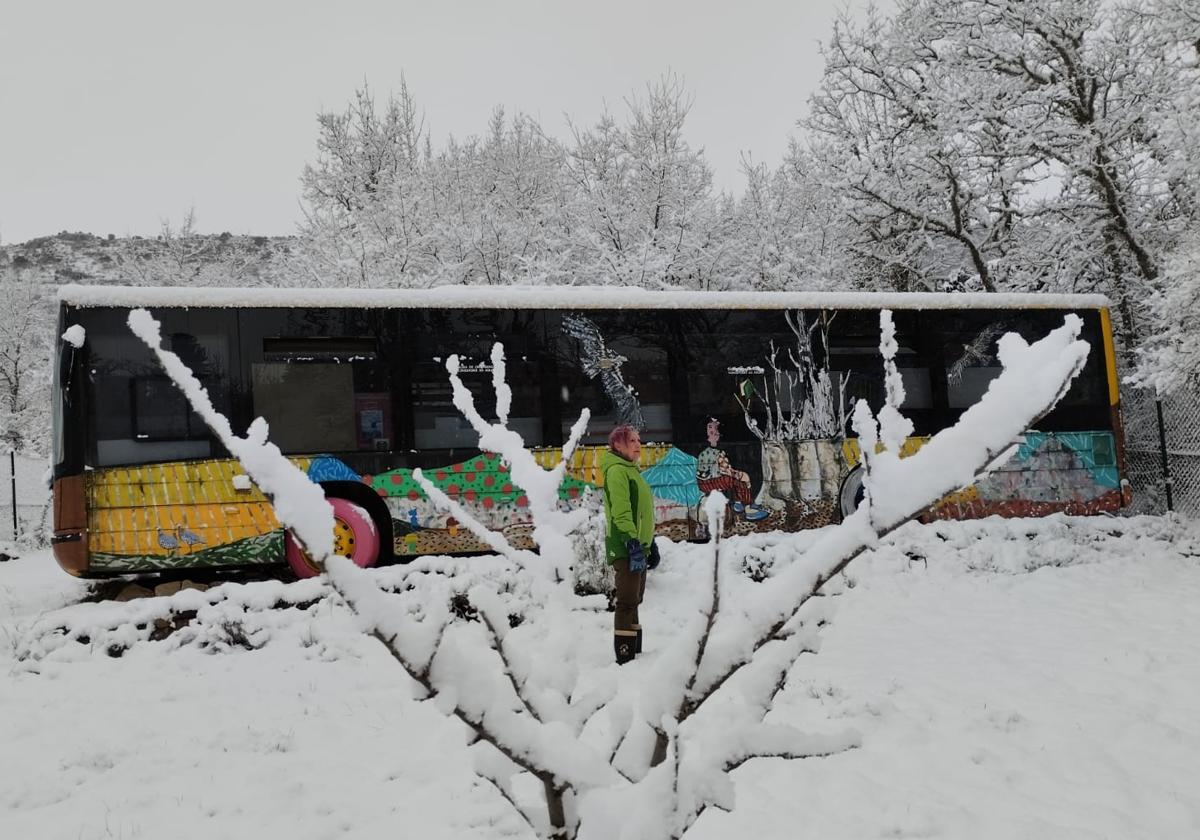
[(1011, 678)]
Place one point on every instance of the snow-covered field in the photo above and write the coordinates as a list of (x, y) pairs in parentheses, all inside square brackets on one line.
[(1011, 679)]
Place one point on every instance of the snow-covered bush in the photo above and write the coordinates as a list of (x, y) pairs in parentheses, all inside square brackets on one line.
[(641, 753), (593, 575)]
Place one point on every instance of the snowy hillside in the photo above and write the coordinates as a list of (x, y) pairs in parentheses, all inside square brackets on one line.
[(1010, 678)]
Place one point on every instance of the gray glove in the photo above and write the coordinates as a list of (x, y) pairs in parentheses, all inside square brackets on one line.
[(637, 556)]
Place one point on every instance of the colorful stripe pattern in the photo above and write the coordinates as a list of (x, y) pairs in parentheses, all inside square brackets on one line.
[(186, 515)]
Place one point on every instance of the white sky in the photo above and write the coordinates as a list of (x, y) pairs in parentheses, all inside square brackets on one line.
[(116, 116)]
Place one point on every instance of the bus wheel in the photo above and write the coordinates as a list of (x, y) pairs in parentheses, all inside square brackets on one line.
[(851, 494), (354, 536)]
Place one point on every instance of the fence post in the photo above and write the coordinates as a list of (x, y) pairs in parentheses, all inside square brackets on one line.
[(12, 471), (1162, 448)]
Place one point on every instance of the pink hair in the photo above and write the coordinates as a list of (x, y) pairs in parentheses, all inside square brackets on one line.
[(621, 435)]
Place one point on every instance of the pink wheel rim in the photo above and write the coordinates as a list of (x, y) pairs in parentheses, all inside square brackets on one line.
[(355, 536)]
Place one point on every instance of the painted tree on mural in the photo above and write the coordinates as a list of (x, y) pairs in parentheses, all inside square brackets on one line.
[(801, 419)]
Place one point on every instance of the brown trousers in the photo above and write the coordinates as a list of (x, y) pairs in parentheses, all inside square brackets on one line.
[(631, 586)]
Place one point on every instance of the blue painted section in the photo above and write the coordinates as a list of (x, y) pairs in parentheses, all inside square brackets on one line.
[(1094, 451), (328, 468), (674, 478)]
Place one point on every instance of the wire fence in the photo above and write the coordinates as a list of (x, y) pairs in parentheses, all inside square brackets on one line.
[(1162, 446), (24, 501)]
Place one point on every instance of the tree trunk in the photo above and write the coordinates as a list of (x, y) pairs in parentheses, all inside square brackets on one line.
[(555, 808)]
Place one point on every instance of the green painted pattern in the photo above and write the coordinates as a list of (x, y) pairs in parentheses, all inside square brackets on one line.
[(259, 550), (483, 478)]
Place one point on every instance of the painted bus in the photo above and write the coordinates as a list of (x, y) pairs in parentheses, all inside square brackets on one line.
[(743, 392)]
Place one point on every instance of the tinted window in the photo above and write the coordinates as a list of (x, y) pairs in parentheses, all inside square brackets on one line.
[(854, 357), (435, 335), (970, 362), (616, 365), (321, 378), (136, 414)]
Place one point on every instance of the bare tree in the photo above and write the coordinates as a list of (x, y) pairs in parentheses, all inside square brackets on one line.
[(26, 348), (654, 769)]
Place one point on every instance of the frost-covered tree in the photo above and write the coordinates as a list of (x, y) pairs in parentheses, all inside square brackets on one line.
[(367, 221), (1171, 355), (27, 314), (788, 231), (918, 145), (181, 256), (628, 202), (1098, 75), (1011, 145), (608, 765), (497, 204), (642, 210)]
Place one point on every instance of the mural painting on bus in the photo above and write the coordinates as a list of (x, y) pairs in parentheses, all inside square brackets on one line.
[(799, 443), (598, 362), (1052, 472), (196, 514), (792, 406), (482, 485)]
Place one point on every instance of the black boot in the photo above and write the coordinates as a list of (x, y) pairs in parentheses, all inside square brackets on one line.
[(625, 648), (637, 645)]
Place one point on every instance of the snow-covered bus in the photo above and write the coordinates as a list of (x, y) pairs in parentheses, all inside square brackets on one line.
[(742, 392)]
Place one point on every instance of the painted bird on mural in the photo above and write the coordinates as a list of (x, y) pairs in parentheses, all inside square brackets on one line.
[(170, 540), (189, 538), (166, 539), (597, 360)]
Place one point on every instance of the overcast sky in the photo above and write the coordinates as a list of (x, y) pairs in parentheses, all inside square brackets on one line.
[(115, 116)]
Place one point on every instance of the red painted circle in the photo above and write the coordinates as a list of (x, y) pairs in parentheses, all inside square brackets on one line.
[(441, 475), (414, 495), (470, 495), (488, 502), (489, 480), (470, 478), (452, 490), (522, 501)]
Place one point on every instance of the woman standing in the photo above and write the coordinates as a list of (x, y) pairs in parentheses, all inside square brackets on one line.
[(629, 541)]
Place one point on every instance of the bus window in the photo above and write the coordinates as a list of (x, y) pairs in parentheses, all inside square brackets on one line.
[(970, 352), (717, 353), (137, 414), (322, 394), (857, 366), (470, 334), (615, 364), (161, 412)]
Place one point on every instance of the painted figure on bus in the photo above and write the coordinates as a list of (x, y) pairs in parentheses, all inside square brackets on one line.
[(715, 472)]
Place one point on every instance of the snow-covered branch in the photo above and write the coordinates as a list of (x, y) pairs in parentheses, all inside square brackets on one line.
[(703, 712)]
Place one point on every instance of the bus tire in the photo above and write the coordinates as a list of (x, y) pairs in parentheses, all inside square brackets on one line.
[(355, 537), (851, 494)]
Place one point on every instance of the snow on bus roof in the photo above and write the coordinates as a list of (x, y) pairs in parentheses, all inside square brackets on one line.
[(557, 297)]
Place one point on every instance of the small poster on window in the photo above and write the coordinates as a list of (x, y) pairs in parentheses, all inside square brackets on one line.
[(373, 413)]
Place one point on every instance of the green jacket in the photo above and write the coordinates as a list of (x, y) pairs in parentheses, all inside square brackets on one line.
[(628, 505)]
